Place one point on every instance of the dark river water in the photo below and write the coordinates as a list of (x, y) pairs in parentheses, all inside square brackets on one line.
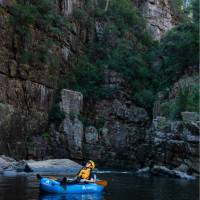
[(121, 187)]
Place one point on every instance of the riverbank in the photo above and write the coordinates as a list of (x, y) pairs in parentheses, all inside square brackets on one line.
[(11, 167), (122, 186)]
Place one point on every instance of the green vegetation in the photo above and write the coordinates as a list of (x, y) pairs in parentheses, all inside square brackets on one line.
[(37, 27), (118, 41), (56, 115), (180, 12), (195, 11), (124, 45), (121, 45), (186, 100), (45, 135), (178, 49)]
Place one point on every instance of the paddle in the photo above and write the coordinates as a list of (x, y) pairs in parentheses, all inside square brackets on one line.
[(103, 183)]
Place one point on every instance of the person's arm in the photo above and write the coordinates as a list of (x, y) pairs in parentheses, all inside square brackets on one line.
[(87, 181), (78, 175)]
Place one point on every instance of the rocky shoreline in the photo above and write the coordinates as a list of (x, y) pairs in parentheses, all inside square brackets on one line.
[(11, 167), (163, 171)]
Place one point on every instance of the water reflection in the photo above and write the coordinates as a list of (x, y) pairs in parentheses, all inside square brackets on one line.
[(93, 196), (121, 187)]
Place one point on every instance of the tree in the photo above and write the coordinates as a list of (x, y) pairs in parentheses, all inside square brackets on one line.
[(123, 47)]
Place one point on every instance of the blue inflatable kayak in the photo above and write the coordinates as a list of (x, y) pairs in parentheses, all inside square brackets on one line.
[(52, 186), (91, 196)]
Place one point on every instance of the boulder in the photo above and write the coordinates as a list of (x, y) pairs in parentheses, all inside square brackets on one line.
[(10, 164), (161, 124), (7, 159), (4, 163), (193, 127), (164, 171), (183, 168), (132, 114), (65, 166), (143, 171), (71, 103), (177, 127), (190, 116), (194, 164), (159, 17), (192, 139), (91, 135)]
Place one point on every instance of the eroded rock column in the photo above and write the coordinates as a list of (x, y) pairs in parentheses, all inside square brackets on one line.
[(72, 127)]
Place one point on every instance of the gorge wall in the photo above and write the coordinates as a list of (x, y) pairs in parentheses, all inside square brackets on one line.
[(122, 134), (27, 90)]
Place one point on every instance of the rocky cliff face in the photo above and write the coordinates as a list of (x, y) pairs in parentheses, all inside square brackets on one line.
[(120, 139), (27, 90), (159, 15), (176, 142), (119, 132), (26, 93)]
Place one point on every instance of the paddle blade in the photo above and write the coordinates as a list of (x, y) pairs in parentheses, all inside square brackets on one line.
[(102, 183)]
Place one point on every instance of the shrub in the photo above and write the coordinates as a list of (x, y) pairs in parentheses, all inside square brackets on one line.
[(178, 49), (195, 11), (56, 115), (186, 100), (27, 16), (123, 47)]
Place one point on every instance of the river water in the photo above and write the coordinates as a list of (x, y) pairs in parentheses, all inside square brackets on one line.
[(122, 186)]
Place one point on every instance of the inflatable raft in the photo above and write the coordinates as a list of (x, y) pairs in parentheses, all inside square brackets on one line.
[(51, 186), (91, 196)]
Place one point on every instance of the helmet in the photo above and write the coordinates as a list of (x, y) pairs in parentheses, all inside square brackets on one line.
[(92, 163)]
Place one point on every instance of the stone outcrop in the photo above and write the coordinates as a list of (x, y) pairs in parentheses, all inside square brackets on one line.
[(9, 166), (166, 98), (184, 82), (119, 136), (16, 126), (71, 102), (72, 127), (159, 16), (4, 162), (53, 166), (27, 90), (176, 141), (91, 135), (176, 145), (66, 6), (163, 171)]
